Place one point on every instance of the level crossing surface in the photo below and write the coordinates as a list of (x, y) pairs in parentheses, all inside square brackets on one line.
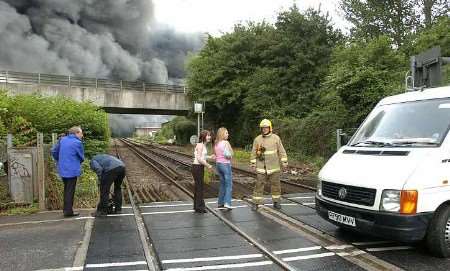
[(184, 240), (191, 241)]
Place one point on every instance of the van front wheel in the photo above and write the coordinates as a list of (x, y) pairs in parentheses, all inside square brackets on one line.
[(438, 236)]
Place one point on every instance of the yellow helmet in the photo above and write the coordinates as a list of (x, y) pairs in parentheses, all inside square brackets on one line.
[(265, 123)]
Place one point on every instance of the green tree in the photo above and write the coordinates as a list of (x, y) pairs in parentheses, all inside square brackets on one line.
[(436, 35), (433, 10), (181, 127), (262, 70), (362, 73), (372, 18), (24, 115)]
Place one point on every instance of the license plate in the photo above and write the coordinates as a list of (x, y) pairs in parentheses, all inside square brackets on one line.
[(343, 219)]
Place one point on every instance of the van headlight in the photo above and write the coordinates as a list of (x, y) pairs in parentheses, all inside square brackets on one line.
[(399, 201), (319, 187), (390, 201)]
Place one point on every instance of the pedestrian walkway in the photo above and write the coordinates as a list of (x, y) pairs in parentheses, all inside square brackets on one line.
[(42, 241)]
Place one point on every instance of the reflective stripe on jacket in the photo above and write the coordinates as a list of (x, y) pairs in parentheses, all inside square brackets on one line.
[(274, 153)]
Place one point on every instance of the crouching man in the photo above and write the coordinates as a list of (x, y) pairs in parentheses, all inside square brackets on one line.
[(109, 170)]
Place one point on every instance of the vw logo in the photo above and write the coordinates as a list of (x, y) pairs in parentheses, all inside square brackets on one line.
[(342, 193)]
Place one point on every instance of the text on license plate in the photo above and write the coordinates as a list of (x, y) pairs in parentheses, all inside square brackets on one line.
[(344, 219)]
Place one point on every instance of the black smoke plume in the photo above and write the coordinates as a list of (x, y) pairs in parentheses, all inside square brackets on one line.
[(116, 39)]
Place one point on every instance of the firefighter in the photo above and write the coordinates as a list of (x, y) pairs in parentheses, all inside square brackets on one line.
[(267, 155)]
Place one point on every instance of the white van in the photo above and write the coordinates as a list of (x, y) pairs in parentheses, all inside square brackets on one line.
[(392, 179)]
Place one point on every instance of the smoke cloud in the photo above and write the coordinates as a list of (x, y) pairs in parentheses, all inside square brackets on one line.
[(123, 125), (97, 38), (116, 39)]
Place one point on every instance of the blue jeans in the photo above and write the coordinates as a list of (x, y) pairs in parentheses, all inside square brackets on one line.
[(226, 183)]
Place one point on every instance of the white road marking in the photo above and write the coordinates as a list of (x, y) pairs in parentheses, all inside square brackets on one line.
[(208, 259), (302, 249), (45, 221), (165, 205), (167, 201), (101, 265), (306, 257), (375, 249), (75, 268), (120, 215), (169, 212), (222, 266), (212, 202), (309, 197), (338, 247), (282, 204), (353, 253), (232, 207), (308, 203), (371, 243)]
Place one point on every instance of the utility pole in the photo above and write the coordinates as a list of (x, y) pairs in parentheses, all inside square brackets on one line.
[(198, 109)]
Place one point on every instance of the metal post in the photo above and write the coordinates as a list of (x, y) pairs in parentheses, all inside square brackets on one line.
[(120, 84), (406, 80), (6, 78), (40, 170), (9, 141), (54, 138), (39, 78), (203, 126), (198, 125), (143, 86), (338, 139), (96, 83), (69, 81)]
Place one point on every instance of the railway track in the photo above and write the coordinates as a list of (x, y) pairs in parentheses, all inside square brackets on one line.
[(242, 178), (145, 182), (172, 175)]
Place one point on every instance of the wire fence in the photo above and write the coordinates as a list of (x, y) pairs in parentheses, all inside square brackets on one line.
[(11, 77)]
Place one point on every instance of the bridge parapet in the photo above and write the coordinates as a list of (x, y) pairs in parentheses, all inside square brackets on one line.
[(11, 77), (122, 97)]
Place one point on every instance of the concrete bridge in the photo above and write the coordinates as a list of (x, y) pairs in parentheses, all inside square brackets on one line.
[(120, 97)]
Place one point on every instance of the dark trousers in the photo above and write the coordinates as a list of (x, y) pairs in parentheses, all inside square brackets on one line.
[(198, 172), (69, 193), (115, 176)]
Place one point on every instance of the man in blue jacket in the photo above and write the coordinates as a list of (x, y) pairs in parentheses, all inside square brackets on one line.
[(69, 154), (109, 170)]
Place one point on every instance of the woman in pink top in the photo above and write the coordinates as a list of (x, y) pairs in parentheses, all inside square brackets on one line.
[(224, 152)]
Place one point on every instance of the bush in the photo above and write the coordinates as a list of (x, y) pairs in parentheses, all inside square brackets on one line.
[(313, 135), (24, 115), (93, 147), (86, 193), (181, 127)]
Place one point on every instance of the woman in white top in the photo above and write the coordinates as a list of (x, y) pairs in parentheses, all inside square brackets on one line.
[(198, 170)]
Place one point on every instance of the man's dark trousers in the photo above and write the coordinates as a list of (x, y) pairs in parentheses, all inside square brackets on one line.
[(115, 176), (69, 193)]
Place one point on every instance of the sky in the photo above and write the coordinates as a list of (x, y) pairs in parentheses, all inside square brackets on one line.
[(219, 16)]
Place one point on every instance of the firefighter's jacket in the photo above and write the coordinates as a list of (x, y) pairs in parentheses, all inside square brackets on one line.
[(267, 153)]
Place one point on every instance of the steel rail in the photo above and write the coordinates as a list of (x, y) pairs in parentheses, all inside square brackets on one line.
[(149, 252), (238, 169), (250, 239)]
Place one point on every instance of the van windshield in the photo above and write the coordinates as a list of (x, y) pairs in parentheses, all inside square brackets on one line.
[(418, 124)]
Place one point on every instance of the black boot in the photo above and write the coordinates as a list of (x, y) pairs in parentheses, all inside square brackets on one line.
[(255, 207), (277, 205)]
